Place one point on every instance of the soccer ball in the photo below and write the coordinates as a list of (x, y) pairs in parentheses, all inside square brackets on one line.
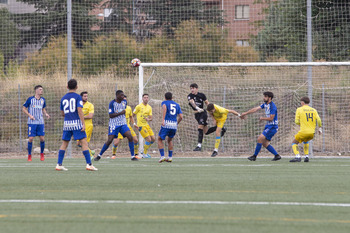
[(135, 62)]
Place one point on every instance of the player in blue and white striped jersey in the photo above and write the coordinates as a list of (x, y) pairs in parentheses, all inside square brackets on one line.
[(34, 108), (117, 124), (172, 116), (73, 125)]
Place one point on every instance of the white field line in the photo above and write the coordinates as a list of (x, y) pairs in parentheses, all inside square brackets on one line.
[(318, 204)]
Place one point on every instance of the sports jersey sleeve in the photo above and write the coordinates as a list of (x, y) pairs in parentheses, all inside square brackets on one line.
[(179, 109), (136, 110), (221, 110), (318, 119), (150, 111), (79, 102), (297, 117), (273, 110), (91, 108), (189, 97), (27, 103), (262, 106), (110, 108), (204, 97), (44, 106), (61, 106)]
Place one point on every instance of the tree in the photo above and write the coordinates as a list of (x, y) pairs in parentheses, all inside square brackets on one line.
[(134, 16), (9, 37), (284, 32), (50, 19)]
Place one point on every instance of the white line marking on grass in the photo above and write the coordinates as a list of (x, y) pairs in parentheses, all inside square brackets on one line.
[(181, 202)]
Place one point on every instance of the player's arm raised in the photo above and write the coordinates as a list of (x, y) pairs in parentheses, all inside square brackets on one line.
[(234, 112), (250, 111)]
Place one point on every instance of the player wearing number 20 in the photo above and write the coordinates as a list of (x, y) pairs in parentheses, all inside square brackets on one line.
[(171, 110), (73, 125), (307, 118)]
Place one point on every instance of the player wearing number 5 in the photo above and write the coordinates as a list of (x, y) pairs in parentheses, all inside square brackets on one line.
[(170, 110), (73, 125), (306, 117)]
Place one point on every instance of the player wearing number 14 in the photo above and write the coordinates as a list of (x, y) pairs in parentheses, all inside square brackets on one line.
[(307, 118)]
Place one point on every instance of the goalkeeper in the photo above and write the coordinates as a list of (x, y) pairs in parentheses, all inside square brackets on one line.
[(306, 117), (219, 115), (197, 100)]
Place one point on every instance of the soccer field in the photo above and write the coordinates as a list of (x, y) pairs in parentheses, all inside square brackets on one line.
[(188, 195)]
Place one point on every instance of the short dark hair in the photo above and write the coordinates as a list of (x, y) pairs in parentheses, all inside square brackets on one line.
[(268, 94), (118, 92), (145, 94), (72, 84), (83, 93), (37, 86), (305, 99), (194, 85), (210, 107), (168, 96)]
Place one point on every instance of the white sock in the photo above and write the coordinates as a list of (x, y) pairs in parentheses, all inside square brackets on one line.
[(199, 145), (297, 156), (216, 150), (306, 156)]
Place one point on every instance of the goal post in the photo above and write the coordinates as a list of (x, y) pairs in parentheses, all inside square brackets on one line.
[(240, 86)]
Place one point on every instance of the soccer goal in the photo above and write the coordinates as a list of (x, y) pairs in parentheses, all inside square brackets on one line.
[(240, 86)]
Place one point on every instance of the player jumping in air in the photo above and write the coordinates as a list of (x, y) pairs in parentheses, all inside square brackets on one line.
[(197, 100), (74, 125), (306, 117), (34, 108), (271, 126), (117, 124), (171, 110), (143, 114), (219, 115), (129, 119), (88, 110)]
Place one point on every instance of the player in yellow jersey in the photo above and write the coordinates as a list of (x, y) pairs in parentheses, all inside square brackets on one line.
[(88, 110), (143, 113), (306, 117), (219, 114), (129, 119)]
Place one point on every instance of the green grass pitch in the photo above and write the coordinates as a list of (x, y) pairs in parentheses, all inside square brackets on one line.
[(188, 195)]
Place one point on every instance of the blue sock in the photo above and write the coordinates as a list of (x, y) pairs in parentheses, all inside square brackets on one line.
[(61, 156), (272, 150), (104, 148), (30, 145), (151, 142), (131, 147), (86, 153), (170, 153), (42, 147), (257, 149), (161, 151)]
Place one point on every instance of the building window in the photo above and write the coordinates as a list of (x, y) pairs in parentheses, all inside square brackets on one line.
[(243, 43), (242, 12), (3, 1)]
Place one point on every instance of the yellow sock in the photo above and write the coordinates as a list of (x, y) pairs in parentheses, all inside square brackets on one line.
[(145, 147), (114, 150), (136, 148), (306, 148), (217, 142), (295, 148)]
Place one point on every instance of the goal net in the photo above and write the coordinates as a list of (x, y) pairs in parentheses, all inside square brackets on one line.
[(240, 86)]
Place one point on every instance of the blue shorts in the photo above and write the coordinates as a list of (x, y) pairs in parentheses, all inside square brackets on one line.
[(163, 132), (269, 132), (77, 134), (36, 130), (118, 129)]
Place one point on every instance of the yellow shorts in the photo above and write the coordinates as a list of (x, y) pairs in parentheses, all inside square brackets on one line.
[(88, 131), (133, 134), (220, 123), (302, 137), (146, 131)]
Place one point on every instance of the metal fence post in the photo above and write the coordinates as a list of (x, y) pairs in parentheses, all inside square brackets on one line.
[(20, 117)]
